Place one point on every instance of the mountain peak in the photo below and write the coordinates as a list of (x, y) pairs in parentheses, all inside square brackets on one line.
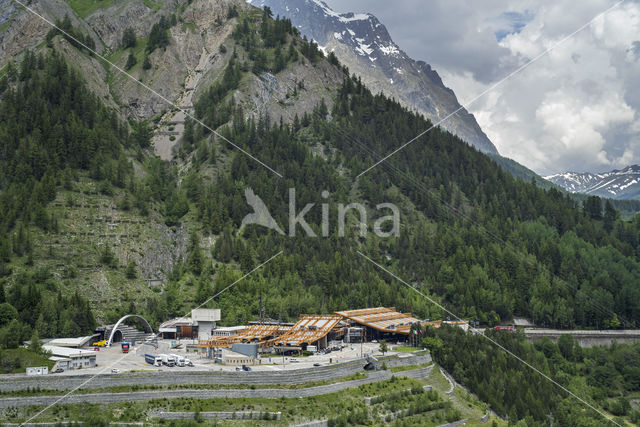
[(362, 43), (617, 184)]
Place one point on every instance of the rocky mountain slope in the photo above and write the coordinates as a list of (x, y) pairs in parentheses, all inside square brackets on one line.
[(200, 48), (162, 202), (362, 43), (618, 184)]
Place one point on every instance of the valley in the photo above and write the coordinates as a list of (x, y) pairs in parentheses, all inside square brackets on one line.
[(117, 201)]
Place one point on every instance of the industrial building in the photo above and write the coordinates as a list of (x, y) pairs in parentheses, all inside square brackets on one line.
[(78, 342), (229, 357), (200, 325), (71, 358), (228, 331)]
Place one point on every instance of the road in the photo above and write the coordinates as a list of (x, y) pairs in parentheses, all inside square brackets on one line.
[(374, 376), (290, 375)]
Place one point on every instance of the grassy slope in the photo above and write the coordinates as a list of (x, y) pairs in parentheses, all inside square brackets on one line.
[(86, 223), (293, 410), (23, 358), (84, 7)]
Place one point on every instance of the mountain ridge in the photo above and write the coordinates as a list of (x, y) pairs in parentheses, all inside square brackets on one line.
[(621, 184), (362, 42)]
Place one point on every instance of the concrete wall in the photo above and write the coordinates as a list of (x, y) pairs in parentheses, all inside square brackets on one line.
[(221, 415), (247, 349), (587, 338)]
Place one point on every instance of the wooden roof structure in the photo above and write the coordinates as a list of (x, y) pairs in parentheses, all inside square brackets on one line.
[(259, 333), (383, 319), (308, 330)]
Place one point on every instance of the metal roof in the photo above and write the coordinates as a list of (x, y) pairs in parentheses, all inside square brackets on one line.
[(70, 342), (67, 351)]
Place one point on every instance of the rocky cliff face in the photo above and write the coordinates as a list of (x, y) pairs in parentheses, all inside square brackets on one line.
[(362, 43)]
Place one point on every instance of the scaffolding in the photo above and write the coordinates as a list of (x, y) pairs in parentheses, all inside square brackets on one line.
[(308, 330), (259, 334)]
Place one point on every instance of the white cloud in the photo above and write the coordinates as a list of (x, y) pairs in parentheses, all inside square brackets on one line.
[(573, 109)]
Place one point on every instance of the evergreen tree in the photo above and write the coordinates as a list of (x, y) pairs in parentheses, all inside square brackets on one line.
[(131, 62), (147, 63), (129, 39)]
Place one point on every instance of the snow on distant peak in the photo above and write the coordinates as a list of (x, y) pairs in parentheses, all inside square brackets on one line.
[(342, 17), (620, 184)]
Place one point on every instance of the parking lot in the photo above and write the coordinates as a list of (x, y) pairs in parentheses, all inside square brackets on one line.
[(112, 358)]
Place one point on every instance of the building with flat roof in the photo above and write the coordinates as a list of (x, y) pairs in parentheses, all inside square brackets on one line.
[(237, 359), (200, 325), (74, 358), (228, 331), (78, 342), (205, 319), (522, 322)]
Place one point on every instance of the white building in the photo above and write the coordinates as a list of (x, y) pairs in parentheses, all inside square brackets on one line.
[(232, 358), (71, 358), (228, 331), (205, 319), (38, 370), (70, 342)]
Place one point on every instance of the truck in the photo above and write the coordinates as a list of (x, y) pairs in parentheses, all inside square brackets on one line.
[(125, 347), (167, 360), (152, 359), (179, 359)]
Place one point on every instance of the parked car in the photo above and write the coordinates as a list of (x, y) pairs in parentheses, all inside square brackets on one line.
[(115, 370), (316, 364), (246, 368), (238, 368), (58, 370)]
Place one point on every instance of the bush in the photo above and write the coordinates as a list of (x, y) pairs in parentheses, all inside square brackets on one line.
[(130, 272)]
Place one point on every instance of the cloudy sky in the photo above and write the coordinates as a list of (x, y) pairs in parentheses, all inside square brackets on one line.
[(574, 109)]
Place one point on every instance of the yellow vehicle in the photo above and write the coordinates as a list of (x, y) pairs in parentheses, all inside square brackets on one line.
[(99, 343)]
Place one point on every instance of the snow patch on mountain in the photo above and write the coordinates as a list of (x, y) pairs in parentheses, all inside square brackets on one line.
[(617, 184)]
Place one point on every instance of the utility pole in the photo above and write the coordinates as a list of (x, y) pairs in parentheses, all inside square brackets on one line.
[(550, 419)]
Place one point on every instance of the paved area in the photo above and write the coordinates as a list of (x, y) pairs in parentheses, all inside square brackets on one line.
[(291, 373), (112, 357)]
